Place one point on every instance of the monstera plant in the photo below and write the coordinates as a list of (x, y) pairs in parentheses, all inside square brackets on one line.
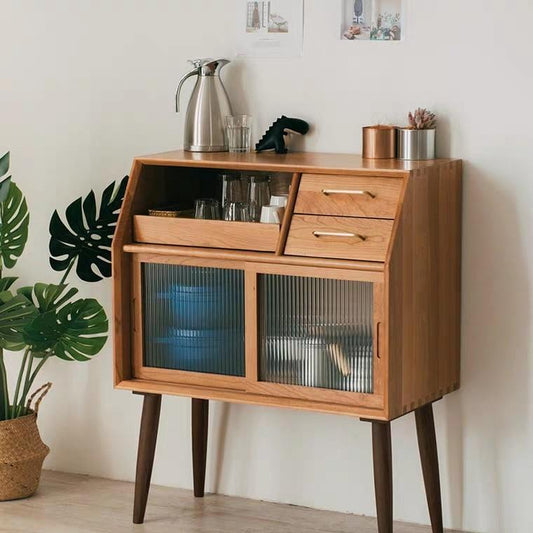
[(45, 320)]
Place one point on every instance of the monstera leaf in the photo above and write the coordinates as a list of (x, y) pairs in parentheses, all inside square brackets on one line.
[(4, 164), (14, 218), (16, 313), (87, 237), (74, 331)]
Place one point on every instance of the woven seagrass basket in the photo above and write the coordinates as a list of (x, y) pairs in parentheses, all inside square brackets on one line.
[(22, 452)]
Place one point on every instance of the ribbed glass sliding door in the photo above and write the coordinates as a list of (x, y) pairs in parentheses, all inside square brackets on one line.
[(193, 318), (316, 332)]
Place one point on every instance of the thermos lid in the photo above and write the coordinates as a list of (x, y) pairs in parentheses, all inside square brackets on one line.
[(208, 66)]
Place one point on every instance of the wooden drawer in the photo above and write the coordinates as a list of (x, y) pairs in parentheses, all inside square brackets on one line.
[(348, 196), (206, 233), (339, 237)]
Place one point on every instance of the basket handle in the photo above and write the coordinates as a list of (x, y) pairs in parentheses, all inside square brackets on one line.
[(43, 392)]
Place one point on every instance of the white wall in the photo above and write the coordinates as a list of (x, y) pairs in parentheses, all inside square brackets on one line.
[(86, 85)]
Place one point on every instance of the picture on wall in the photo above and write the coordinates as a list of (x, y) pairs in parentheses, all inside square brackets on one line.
[(372, 20), (272, 28), (266, 17)]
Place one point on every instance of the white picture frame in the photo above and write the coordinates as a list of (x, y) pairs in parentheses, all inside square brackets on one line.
[(271, 28), (373, 20)]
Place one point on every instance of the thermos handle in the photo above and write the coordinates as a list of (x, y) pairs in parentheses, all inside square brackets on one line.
[(180, 85)]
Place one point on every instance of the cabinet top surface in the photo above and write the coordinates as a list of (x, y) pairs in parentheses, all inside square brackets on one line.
[(291, 162)]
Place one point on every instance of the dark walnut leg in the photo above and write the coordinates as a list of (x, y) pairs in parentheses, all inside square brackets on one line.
[(145, 454), (382, 452), (200, 417), (427, 444)]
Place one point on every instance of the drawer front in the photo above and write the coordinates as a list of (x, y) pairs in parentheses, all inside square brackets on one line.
[(348, 196), (339, 237), (206, 233)]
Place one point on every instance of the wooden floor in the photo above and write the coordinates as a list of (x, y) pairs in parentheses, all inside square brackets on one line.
[(67, 503)]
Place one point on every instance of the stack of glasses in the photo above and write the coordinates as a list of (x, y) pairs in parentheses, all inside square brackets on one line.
[(244, 199)]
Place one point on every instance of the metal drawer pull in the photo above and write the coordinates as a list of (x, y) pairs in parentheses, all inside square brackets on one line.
[(342, 191), (338, 234)]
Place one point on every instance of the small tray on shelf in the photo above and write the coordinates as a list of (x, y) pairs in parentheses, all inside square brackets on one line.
[(206, 233)]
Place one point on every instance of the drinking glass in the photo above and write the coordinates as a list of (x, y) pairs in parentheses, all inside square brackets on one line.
[(207, 209), (259, 195), (239, 132), (237, 212), (233, 189)]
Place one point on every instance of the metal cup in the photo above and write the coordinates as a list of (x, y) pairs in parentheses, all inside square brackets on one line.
[(416, 145)]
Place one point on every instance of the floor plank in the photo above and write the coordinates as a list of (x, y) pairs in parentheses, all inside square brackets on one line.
[(67, 503)]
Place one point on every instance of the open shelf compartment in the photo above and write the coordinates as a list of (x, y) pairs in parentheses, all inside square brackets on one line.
[(177, 187)]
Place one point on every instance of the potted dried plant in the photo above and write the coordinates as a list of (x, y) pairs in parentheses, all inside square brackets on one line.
[(417, 141), (46, 321)]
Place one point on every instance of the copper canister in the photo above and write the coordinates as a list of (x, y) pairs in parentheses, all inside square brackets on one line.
[(379, 142)]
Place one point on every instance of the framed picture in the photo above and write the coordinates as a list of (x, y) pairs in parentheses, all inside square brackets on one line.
[(372, 20), (272, 28)]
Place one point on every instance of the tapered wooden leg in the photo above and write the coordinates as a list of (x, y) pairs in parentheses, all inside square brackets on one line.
[(382, 452), (200, 417), (427, 444), (145, 453)]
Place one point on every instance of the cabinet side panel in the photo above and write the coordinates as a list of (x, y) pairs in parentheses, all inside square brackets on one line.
[(121, 266), (424, 277)]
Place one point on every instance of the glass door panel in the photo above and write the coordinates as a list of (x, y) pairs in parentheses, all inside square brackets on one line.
[(316, 332), (193, 318)]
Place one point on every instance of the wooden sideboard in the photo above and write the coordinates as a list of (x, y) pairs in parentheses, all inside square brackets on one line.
[(351, 305)]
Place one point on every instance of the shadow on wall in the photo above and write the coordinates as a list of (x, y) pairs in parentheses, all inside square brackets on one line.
[(496, 336)]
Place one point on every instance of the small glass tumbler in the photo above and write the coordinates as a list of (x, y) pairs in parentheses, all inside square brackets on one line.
[(239, 133), (237, 212), (207, 209), (259, 195), (232, 189)]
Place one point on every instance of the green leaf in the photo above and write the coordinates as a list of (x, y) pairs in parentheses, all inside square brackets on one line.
[(86, 236), (5, 185), (14, 220), (75, 332), (5, 283), (48, 297), (4, 164), (16, 313)]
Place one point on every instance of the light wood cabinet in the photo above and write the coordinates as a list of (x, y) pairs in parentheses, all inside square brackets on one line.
[(350, 306)]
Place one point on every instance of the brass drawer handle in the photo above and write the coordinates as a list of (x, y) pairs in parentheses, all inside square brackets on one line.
[(327, 192), (338, 234)]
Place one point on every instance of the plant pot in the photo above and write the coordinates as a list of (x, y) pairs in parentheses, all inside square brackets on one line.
[(379, 142), (416, 145), (22, 453)]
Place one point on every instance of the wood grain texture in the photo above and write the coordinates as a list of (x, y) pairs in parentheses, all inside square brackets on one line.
[(424, 283), (66, 503), (199, 427), (411, 272), (145, 453), (371, 401), (358, 238), (121, 267), (382, 458), (251, 326), (206, 233), (291, 202), (314, 272), (234, 396), (335, 195), (255, 257), (427, 445), (313, 162)]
